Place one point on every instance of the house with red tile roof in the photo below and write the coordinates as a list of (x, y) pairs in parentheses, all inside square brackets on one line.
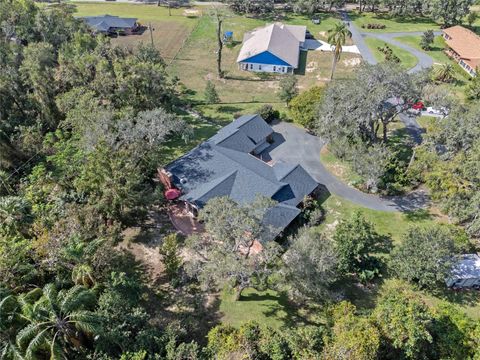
[(463, 46)]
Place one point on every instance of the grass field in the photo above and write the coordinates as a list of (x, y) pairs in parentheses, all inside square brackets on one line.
[(407, 60), (197, 63), (436, 52), (266, 307), (393, 24), (169, 32)]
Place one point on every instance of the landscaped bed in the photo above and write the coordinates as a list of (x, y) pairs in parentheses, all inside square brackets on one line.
[(393, 24), (407, 60)]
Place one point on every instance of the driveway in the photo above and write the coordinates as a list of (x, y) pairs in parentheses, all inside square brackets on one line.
[(319, 45), (294, 145)]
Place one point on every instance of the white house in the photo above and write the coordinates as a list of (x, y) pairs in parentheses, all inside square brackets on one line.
[(274, 48)]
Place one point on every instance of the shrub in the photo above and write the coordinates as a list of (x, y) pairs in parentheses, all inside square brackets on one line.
[(375, 26), (211, 95), (303, 107), (268, 113)]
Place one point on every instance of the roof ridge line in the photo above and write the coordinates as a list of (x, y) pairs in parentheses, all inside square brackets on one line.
[(225, 178), (289, 172)]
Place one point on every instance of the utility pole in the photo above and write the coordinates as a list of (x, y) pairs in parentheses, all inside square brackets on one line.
[(151, 33)]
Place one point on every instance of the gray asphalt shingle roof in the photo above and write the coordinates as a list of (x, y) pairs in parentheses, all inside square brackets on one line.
[(279, 39), (223, 167), (106, 22)]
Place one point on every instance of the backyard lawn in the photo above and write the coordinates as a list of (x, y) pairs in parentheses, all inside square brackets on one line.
[(169, 32), (266, 307), (407, 60), (196, 63), (393, 24)]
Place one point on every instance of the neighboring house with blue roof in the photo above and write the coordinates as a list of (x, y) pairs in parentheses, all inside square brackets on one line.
[(274, 48), (109, 24), (228, 165)]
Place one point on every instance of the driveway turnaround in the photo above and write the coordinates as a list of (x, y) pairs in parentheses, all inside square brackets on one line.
[(294, 145), (319, 45)]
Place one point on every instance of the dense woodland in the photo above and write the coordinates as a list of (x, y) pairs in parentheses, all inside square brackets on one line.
[(83, 126)]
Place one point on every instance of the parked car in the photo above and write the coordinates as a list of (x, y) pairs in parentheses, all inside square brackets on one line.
[(440, 112)]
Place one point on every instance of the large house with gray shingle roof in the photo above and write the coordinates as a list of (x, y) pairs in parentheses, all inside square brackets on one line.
[(228, 164), (274, 48)]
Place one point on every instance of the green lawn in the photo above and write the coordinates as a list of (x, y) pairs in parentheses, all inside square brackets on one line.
[(339, 168), (427, 122), (393, 224), (393, 24), (407, 60), (196, 63), (169, 32), (266, 307), (436, 52)]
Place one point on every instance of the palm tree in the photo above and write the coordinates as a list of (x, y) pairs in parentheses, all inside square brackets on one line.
[(10, 323), (57, 321), (82, 274), (13, 215), (443, 73), (337, 38)]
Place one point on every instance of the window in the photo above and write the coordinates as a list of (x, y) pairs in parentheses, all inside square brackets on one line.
[(259, 67), (274, 68), (251, 66)]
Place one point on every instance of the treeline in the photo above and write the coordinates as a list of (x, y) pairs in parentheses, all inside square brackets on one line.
[(400, 326), (448, 12), (82, 125)]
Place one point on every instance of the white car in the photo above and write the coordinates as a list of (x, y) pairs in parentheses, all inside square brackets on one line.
[(440, 112)]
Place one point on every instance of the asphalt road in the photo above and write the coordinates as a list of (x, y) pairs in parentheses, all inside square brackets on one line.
[(294, 145)]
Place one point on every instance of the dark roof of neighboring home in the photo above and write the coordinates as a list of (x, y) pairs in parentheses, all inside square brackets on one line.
[(106, 22), (223, 166)]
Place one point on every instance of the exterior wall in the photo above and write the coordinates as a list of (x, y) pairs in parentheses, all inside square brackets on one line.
[(266, 68)]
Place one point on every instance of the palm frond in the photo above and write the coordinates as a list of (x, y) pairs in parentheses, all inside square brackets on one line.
[(86, 321), (76, 298), (56, 352), (50, 293), (26, 334), (39, 340)]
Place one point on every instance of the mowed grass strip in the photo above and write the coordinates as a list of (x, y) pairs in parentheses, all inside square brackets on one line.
[(407, 60), (169, 32)]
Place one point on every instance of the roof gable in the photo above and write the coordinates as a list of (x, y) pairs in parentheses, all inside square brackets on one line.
[(266, 58), (277, 39)]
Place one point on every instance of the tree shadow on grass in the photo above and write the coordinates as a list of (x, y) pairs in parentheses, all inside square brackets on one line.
[(229, 109), (292, 317), (418, 215), (458, 297), (302, 63)]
